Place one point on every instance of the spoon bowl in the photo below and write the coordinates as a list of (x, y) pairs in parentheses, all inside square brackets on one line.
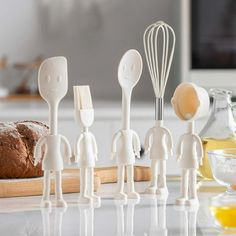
[(130, 69)]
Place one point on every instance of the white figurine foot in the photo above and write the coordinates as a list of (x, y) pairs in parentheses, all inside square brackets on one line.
[(84, 200), (162, 191), (181, 201), (133, 195), (61, 203), (192, 202), (151, 190), (46, 204), (120, 196)]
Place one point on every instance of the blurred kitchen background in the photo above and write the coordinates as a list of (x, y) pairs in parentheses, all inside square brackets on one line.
[(92, 34)]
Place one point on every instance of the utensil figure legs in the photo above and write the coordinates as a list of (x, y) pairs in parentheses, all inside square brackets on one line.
[(162, 188), (153, 184), (83, 198), (46, 203), (96, 199), (60, 202), (129, 146), (184, 187), (193, 187), (159, 144), (130, 183), (120, 195), (158, 181)]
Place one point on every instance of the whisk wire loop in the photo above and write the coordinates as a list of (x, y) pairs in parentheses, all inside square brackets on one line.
[(154, 35)]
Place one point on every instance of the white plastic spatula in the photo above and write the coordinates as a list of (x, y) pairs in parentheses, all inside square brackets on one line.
[(53, 85), (129, 72)]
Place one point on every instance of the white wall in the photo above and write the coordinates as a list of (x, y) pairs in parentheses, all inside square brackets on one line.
[(93, 36)]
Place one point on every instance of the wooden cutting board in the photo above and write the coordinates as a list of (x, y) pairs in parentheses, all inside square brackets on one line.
[(109, 174), (34, 186), (70, 181)]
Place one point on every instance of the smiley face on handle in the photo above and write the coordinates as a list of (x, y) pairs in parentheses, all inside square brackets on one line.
[(53, 79), (130, 68)]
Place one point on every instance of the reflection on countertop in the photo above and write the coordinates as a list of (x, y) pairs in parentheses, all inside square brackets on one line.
[(150, 216)]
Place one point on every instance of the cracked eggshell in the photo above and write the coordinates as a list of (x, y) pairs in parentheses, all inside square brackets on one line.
[(190, 101)]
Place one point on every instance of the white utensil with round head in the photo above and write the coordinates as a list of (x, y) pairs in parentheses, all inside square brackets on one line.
[(129, 72), (53, 86)]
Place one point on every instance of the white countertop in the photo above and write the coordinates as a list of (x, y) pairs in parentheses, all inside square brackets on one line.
[(103, 110), (23, 217)]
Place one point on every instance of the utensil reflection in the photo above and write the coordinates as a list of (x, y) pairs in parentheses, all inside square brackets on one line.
[(188, 220), (157, 216), (52, 221), (87, 219), (129, 229)]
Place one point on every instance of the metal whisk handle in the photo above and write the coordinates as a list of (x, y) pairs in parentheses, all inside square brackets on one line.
[(159, 108)]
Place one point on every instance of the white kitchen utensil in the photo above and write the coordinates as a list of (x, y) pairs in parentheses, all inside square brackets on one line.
[(189, 103), (86, 146), (159, 45), (53, 84), (129, 72)]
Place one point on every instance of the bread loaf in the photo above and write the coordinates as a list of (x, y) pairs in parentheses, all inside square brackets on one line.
[(17, 141)]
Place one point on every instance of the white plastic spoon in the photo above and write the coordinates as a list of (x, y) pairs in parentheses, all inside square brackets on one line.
[(129, 72)]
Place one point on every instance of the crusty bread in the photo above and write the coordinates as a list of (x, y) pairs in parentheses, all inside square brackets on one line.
[(17, 141)]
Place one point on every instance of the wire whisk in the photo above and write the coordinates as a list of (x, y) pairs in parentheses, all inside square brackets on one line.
[(160, 37)]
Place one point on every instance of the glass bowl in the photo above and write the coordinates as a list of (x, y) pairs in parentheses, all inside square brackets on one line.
[(223, 166), (223, 206)]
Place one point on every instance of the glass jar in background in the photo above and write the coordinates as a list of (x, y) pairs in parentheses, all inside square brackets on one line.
[(220, 129), (26, 77)]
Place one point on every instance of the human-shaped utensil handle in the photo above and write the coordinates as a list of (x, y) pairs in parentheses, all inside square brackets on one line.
[(43, 144), (53, 86), (159, 143), (189, 175), (86, 150), (129, 147), (129, 72), (86, 170), (189, 103)]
